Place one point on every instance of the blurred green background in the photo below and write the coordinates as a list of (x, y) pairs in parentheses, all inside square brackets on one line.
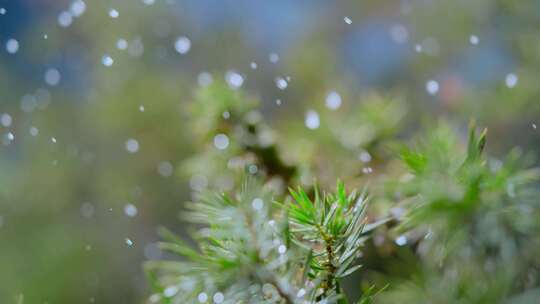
[(96, 119)]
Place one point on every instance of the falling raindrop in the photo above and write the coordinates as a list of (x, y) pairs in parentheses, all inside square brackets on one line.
[(113, 13), (202, 297), (121, 44), (234, 80), (511, 80), (77, 8), (107, 60), (6, 120), (132, 145), (312, 120), (12, 46), (129, 242), (282, 249), (432, 87), (474, 40), (253, 65), (3, 11), (65, 19), (182, 45), (165, 168), (130, 210), (333, 100), (52, 77), (347, 20), (281, 83), (218, 298), (401, 240), (221, 141), (204, 79), (257, 204), (273, 57)]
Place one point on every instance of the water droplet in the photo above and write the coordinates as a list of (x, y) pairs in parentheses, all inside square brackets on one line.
[(107, 60), (3, 11), (399, 33), (474, 40), (218, 297), (401, 240), (148, 2), (221, 141), (278, 102), (182, 45), (65, 19), (12, 46), (234, 80), (132, 145), (301, 292), (52, 77), (273, 58), (53, 140), (141, 108), (533, 126), (34, 131), (367, 170), (281, 83), (333, 100), (165, 168), (347, 20), (253, 65), (312, 120), (202, 297), (130, 210), (77, 8), (418, 48), (364, 157), (6, 120), (257, 204), (204, 79), (511, 80), (113, 13), (129, 242), (282, 249), (432, 87), (121, 44)]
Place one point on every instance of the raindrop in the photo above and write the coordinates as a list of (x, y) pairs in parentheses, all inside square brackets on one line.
[(399, 34), (282, 249), (53, 140), (401, 240), (2, 11), (165, 169), (301, 292), (202, 297), (204, 79), (278, 102), (234, 80), (474, 40), (132, 145), (12, 46), (418, 48), (253, 65), (182, 45), (129, 242), (281, 83), (87, 210), (34, 131), (121, 44), (364, 157), (141, 108), (6, 120), (221, 141), (107, 60), (257, 204), (148, 2), (347, 20), (533, 126), (312, 120), (432, 87), (333, 100), (65, 19), (130, 210), (218, 297), (77, 8), (273, 57), (52, 77), (511, 80), (113, 13)]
